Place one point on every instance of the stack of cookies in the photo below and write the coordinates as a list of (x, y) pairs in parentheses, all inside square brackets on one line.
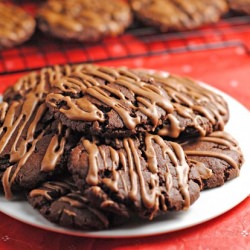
[(91, 146)]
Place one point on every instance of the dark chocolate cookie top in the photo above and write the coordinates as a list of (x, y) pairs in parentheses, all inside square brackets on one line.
[(148, 175), (84, 20), (219, 152), (119, 102), (17, 26), (242, 6), (167, 15)]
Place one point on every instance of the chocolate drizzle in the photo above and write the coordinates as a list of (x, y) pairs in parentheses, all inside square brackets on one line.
[(49, 188), (25, 124), (39, 82), (219, 138), (55, 150), (143, 174), (164, 105), (148, 97), (189, 98), (219, 153)]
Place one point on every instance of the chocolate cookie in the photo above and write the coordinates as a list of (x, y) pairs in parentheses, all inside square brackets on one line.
[(148, 175), (33, 146), (84, 20), (167, 15), (17, 26), (218, 152), (242, 6), (60, 202), (185, 92), (119, 102), (40, 81), (26, 125)]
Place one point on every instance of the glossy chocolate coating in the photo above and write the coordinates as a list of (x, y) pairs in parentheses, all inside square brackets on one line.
[(148, 174), (219, 152), (120, 102)]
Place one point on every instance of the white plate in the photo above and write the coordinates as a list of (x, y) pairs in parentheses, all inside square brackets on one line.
[(211, 203)]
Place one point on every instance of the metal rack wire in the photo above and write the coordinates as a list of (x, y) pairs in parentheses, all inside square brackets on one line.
[(138, 41)]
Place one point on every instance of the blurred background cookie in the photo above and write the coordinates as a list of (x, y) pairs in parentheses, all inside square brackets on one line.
[(17, 26), (242, 6), (84, 20), (177, 15)]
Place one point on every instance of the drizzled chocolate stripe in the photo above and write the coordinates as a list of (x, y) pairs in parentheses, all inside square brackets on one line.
[(189, 93), (145, 181), (25, 124), (220, 153), (188, 98), (219, 138), (3, 110), (50, 190), (147, 99), (165, 105), (221, 156), (222, 138), (20, 157), (41, 82)]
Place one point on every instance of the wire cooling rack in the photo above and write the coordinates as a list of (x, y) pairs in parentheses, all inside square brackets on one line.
[(138, 41)]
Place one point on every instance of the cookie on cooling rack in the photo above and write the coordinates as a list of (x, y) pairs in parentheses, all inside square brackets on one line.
[(17, 26), (219, 152), (147, 174), (167, 15), (84, 20), (60, 202), (119, 102), (242, 6)]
